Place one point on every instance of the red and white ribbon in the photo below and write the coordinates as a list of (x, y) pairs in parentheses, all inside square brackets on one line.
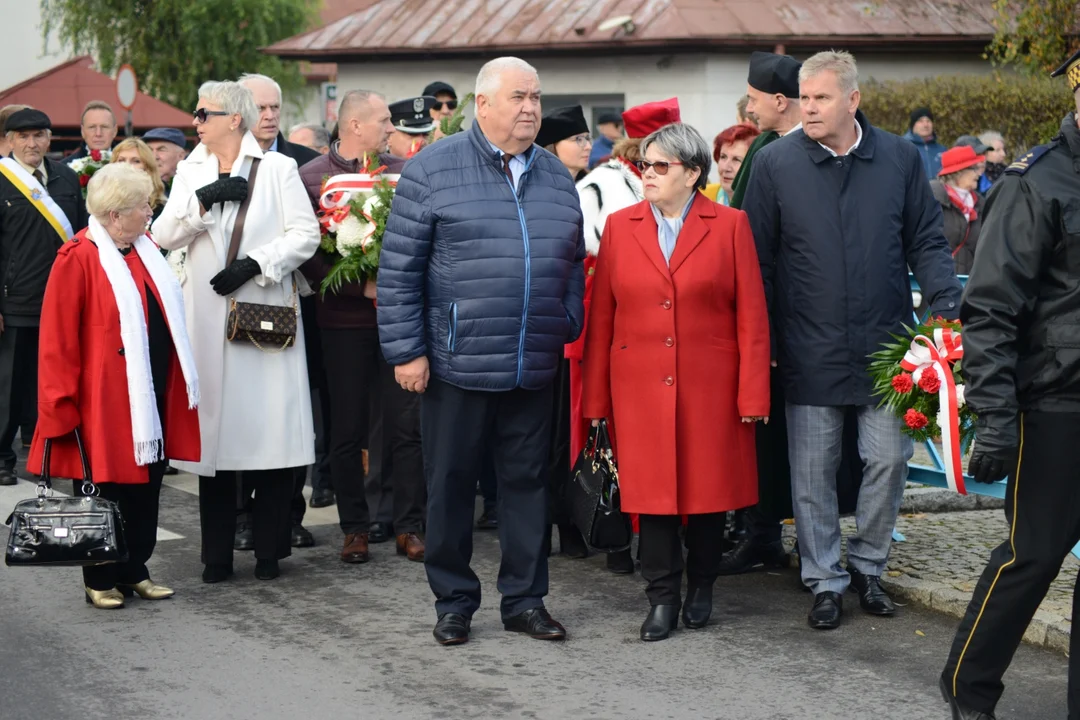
[(340, 189), (937, 356)]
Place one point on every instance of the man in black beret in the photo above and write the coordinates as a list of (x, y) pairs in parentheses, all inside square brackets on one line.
[(412, 122), (41, 208)]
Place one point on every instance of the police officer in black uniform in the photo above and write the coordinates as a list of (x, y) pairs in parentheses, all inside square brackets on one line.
[(1021, 317)]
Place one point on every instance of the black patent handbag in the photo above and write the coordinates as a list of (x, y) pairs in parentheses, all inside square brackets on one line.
[(593, 496), (65, 531)]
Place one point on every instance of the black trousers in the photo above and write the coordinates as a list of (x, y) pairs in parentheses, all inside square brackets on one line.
[(401, 431), (18, 386), (459, 427), (138, 505), (489, 486), (662, 557), (379, 483), (1042, 505), (559, 461), (351, 358), (270, 514)]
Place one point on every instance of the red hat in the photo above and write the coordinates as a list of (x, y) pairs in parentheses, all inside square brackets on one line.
[(959, 158), (643, 120)]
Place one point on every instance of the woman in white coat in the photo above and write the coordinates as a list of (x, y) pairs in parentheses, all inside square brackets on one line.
[(255, 416)]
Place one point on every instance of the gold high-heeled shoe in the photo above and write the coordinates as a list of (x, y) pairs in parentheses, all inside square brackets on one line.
[(147, 590), (105, 599)]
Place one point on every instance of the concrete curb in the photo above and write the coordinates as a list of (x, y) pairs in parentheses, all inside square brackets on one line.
[(923, 499), (1047, 630)]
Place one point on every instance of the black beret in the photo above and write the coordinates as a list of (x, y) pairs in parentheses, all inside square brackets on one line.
[(412, 115), (1071, 69), (437, 88), (560, 124), (774, 74), (27, 119)]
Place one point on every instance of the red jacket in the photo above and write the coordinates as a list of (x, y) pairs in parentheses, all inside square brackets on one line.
[(676, 355), (82, 375)]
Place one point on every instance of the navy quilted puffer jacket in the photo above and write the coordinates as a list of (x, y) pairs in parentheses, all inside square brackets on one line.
[(485, 282)]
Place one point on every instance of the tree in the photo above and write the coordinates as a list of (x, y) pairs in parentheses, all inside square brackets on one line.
[(1034, 35), (175, 45)]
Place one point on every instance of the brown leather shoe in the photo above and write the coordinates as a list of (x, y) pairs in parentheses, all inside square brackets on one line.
[(411, 545), (356, 548)]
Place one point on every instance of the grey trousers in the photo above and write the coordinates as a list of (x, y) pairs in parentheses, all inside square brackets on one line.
[(814, 446)]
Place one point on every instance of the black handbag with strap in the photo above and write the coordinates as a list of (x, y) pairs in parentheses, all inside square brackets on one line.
[(65, 531), (593, 496), (270, 328)]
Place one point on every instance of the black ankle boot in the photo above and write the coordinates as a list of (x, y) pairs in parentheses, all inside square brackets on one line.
[(698, 607), (621, 563), (662, 619), (267, 569), (216, 573)]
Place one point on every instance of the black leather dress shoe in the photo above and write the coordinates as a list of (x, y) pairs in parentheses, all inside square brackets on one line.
[(322, 497), (959, 710), (245, 537), (452, 629), (698, 607), (489, 520), (872, 597), (216, 573), (536, 623), (379, 533), (660, 622), (7, 477), (749, 555), (621, 563), (828, 607), (301, 537)]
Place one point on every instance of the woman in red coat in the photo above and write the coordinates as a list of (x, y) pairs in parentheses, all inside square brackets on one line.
[(115, 363), (678, 357)]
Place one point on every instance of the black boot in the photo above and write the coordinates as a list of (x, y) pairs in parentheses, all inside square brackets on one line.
[(750, 554), (698, 607), (958, 709), (571, 543), (662, 619), (621, 563)]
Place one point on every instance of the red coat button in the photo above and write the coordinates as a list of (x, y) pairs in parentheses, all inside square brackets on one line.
[(667, 304), (669, 380), (669, 342)]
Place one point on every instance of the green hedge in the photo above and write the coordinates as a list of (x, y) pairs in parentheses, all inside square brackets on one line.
[(1027, 111)]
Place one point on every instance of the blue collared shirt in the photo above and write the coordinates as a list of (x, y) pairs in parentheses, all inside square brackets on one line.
[(668, 229), (517, 163), (273, 148)]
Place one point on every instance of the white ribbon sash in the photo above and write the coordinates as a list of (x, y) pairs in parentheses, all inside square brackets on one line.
[(38, 196)]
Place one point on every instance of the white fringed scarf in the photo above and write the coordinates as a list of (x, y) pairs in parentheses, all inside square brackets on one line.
[(145, 423)]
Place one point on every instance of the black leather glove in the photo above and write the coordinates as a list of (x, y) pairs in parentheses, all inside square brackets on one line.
[(231, 278), (988, 465), (996, 447), (224, 190)]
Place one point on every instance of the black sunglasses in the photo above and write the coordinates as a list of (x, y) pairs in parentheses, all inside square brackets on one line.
[(202, 114), (450, 104), (660, 167)]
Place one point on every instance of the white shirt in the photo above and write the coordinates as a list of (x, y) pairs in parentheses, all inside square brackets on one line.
[(517, 163), (858, 139), (797, 127)]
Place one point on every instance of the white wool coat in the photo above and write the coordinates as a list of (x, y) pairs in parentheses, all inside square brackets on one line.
[(609, 188)]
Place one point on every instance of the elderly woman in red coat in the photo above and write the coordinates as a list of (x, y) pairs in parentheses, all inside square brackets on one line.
[(677, 356), (115, 363)]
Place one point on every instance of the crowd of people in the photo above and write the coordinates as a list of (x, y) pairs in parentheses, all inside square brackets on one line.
[(534, 284)]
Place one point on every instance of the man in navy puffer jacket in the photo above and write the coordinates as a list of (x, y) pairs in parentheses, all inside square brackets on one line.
[(480, 285)]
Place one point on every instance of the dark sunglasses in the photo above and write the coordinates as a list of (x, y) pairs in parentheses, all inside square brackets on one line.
[(202, 114), (661, 167), (450, 104)]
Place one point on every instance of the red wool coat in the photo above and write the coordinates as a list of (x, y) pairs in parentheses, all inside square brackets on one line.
[(676, 356), (82, 374)]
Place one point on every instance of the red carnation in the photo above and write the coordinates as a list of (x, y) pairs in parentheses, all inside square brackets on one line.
[(84, 180), (915, 419), (902, 383), (930, 383), (95, 155)]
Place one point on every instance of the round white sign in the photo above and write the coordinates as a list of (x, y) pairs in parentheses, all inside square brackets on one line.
[(126, 86)]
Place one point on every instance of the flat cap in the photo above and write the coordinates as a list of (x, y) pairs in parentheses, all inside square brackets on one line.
[(412, 115), (167, 135), (643, 120), (1071, 69), (609, 117), (27, 119), (774, 74), (560, 124), (972, 142), (439, 87)]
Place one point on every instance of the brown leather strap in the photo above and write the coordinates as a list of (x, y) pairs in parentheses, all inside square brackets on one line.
[(241, 214)]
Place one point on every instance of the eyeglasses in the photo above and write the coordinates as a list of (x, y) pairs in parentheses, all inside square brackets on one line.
[(660, 167), (583, 140), (202, 114), (450, 105)]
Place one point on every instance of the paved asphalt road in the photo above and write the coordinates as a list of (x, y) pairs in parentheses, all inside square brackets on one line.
[(329, 640)]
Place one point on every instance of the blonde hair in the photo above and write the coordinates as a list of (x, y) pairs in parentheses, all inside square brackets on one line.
[(118, 188), (628, 149), (157, 197), (840, 62)]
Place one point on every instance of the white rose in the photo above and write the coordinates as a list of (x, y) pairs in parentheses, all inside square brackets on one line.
[(78, 165), (351, 233), (960, 396)]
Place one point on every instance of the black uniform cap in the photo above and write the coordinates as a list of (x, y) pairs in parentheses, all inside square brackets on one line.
[(412, 115), (1071, 70), (774, 74), (560, 124), (27, 119)]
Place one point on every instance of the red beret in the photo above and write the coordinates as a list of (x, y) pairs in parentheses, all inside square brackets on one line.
[(643, 120)]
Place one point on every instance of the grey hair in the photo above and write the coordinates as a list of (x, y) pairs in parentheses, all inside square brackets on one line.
[(840, 62), (990, 137), (233, 98), (490, 77), (243, 80), (321, 135), (685, 144)]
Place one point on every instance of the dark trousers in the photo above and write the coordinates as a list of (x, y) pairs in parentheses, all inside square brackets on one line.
[(459, 427), (320, 471), (489, 486), (662, 557), (138, 505), (351, 358), (270, 514), (401, 430), (379, 483), (1042, 505), (559, 461), (18, 385)]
